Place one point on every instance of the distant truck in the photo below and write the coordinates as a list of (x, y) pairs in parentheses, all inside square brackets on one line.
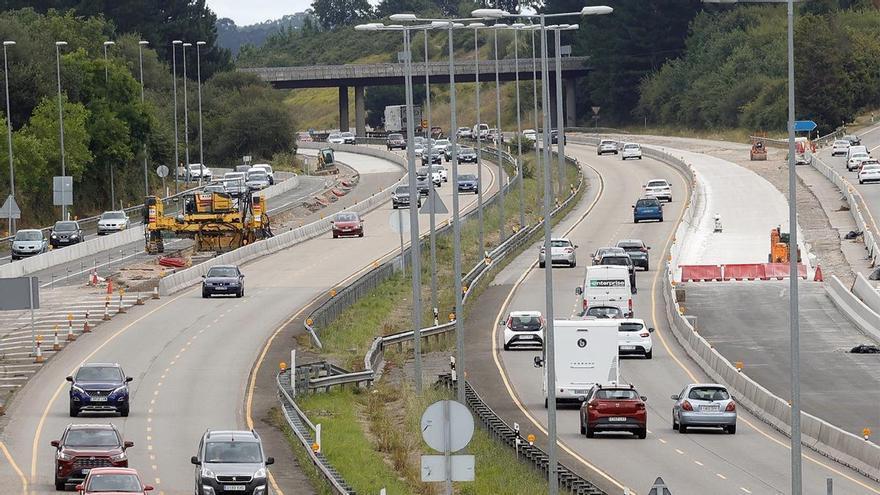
[(585, 353), (395, 118)]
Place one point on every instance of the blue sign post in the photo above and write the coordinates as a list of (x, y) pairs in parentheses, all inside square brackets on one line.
[(804, 126)]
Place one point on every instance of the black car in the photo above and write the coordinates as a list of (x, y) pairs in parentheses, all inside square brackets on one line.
[(853, 140), (400, 198), (223, 279), (436, 155), (468, 183), (637, 251), (554, 137), (621, 260), (423, 184), (395, 141), (467, 155), (231, 462), (65, 233)]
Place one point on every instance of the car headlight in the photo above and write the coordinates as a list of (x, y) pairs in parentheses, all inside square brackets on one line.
[(78, 389), (261, 473), (54, 236), (74, 236), (120, 390), (207, 473), (118, 457), (63, 456)]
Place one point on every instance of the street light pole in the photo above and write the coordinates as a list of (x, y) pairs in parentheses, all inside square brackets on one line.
[(431, 192), (106, 73), (141, 45), (560, 119), (186, 115), (9, 134), (519, 164), (539, 167), (58, 45), (477, 26), (109, 164), (176, 139), (499, 137), (199, 44)]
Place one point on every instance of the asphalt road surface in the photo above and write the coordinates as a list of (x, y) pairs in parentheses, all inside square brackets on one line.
[(870, 191), (755, 460), (190, 359)]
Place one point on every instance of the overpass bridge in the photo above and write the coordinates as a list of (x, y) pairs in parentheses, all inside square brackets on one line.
[(361, 76)]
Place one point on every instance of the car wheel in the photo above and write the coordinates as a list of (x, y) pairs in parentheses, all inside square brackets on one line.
[(661, 219), (59, 484), (583, 428), (541, 264), (74, 411), (861, 181), (640, 158), (394, 206), (545, 403), (589, 433), (14, 258), (731, 430), (642, 434), (674, 423), (635, 220), (361, 234), (573, 264), (205, 294), (506, 347), (646, 267), (649, 354), (682, 428), (240, 293), (124, 411), (335, 235)]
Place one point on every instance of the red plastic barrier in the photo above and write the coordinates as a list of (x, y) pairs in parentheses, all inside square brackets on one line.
[(751, 271), (700, 273), (172, 262), (779, 271)]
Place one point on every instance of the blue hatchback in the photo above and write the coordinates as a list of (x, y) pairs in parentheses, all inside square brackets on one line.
[(99, 387), (647, 209)]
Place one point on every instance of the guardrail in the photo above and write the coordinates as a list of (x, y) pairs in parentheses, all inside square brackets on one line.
[(372, 360)]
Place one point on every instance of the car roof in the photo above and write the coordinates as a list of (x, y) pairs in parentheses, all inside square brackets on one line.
[(692, 385), (615, 385), (659, 180), (114, 470), (224, 266), (100, 365), (633, 320), (30, 230), (232, 435), (560, 239), (91, 426), (630, 240), (525, 313)]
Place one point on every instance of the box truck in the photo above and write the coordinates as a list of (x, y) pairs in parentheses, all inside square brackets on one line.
[(585, 352), (395, 118)]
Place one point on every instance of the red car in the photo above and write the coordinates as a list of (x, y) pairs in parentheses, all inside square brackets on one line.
[(347, 223), (113, 481), (614, 407), (84, 447)]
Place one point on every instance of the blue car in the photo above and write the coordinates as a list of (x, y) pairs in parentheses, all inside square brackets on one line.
[(647, 209), (468, 183), (99, 387)]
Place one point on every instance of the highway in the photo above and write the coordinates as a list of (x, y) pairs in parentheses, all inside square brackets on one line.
[(191, 358), (755, 460), (871, 191)]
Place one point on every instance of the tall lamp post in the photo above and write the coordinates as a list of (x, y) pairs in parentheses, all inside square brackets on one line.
[(200, 44), (552, 451), (186, 114), (538, 165), (9, 133), (499, 137), (141, 45), (176, 139), (431, 192), (110, 166), (522, 209), (476, 26), (58, 45), (560, 118)]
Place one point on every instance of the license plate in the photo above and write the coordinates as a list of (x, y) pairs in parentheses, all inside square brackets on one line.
[(219, 288), (617, 419), (99, 399), (627, 348), (234, 488), (581, 392), (710, 408)]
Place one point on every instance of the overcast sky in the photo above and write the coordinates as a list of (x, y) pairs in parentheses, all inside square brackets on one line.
[(254, 11)]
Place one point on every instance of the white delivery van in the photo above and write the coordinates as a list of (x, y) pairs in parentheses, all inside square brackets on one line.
[(607, 285), (585, 352)]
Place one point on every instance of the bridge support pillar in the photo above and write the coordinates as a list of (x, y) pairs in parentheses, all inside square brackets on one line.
[(570, 102), (343, 109), (360, 114), (552, 103)]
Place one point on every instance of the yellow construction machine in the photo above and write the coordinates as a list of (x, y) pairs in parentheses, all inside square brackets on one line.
[(217, 221), (780, 248), (759, 148)]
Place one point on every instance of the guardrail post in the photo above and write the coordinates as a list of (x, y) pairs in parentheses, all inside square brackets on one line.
[(317, 446)]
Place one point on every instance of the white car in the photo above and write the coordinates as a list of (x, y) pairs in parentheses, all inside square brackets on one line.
[(531, 135), (199, 171), (523, 328), (840, 147), (234, 183), (348, 137), (870, 171), (606, 146), (440, 169), (442, 144), (112, 221), (634, 337), (465, 132), (562, 250), (855, 161), (660, 189), (268, 169), (335, 138), (631, 150)]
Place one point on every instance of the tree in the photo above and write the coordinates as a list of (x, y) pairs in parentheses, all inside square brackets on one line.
[(377, 98), (333, 14)]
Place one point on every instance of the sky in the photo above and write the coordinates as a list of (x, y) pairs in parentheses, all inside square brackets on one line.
[(254, 11)]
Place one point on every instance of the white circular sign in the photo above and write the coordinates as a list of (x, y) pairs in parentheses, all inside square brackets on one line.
[(437, 418), (162, 171)]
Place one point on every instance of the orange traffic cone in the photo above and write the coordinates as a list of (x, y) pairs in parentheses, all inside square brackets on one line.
[(70, 335), (109, 286), (56, 345), (86, 328), (818, 277), (38, 357)]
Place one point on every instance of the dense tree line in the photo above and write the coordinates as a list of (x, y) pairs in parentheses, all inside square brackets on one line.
[(233, 37), (105, 122)]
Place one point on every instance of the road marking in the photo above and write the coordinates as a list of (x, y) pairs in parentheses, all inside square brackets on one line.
[(11, 460), (661, 440), (721, 476), (679, 451), (698, 463), (746, 490)]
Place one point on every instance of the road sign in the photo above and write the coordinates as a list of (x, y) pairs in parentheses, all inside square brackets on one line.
[(399, 220), (62, 190), (162, 171), (17, 293), (437, 419), (434, 468), (10, 209), (659, 488), (565, 50), (595, 110), (246, 158), (433, 203), (804, 125)]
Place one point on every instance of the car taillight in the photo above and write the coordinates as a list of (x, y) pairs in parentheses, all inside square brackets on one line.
[(640, 406), (586, 304), (687, 406), (730, 407), (644, 335), (643, 249), (630, 304)]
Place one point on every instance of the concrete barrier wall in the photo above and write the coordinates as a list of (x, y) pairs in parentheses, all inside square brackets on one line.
[(867, 293), (281, 187), (866, 319), (67, 254)]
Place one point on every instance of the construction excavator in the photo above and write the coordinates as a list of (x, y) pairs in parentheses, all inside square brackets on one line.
[(780, 248), (759, 147), (216, 221)]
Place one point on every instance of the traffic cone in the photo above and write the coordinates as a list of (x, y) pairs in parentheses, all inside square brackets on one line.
[(818, 277), (121, 308), (106, 309), (56, 345), (155, 292), (86, 328), (38, 357), (139, 301), (70, 335)]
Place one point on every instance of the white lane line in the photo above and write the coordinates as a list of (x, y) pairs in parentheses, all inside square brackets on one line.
[(721, 476), (662, 441), (698, 463), (679, 451), (744, 489)]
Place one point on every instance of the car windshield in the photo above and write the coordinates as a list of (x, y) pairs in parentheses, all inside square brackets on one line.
[(126, 483), (708, 393), (99, 374), (604, 142), (223, 271), (616, 394), (860, 156), (465, 149), (615, 260), (841, 143), (346, 217), (91, 437), (870, 167), (112, 215), (65, 226), (196, 166), (647, 203), (233, 452), (395, 137), (467, 177), (402, 190), (214, 188), (560, 243), (28, 235), (347, 134), (334, 136), (630, 327), (442, 142), (234, 175), (657, 183), (520, 323), (604, 312), (631, 147), (629, 246), (422, 171), (257, 174)]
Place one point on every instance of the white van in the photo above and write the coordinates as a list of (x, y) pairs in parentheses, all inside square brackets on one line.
[(607, 285), (481, 130), (585, 352)]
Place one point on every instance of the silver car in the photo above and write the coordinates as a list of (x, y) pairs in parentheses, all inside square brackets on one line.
[(112, 221), (561, 251), (257, 179), (28, 242), (704, 405)]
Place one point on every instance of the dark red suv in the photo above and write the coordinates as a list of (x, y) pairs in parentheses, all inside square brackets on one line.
[(614, 407), (86, 446)]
